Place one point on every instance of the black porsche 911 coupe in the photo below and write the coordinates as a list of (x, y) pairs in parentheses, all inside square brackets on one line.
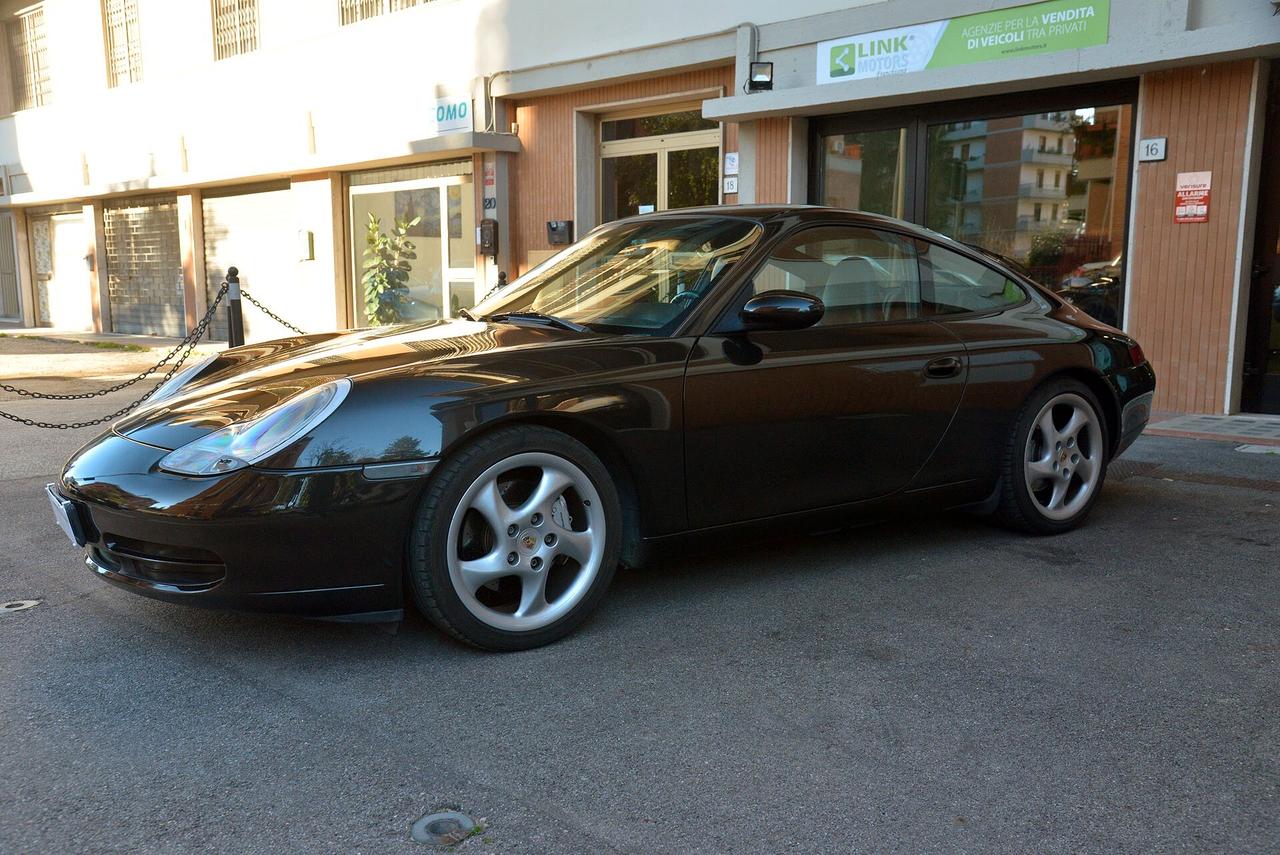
[(667, 375)]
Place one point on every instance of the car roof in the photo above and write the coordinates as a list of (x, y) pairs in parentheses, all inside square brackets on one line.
[(763, 213)]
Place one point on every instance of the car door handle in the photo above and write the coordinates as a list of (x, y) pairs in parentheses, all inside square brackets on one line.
[(943, 367)]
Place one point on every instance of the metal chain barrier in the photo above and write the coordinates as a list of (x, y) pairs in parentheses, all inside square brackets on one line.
[(270, 314), (186, 346)]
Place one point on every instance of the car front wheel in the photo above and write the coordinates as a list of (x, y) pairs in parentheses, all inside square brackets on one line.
[(516, 540), (1055, 461)]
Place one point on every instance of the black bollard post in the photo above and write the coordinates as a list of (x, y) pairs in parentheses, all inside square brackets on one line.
[(235, 320)]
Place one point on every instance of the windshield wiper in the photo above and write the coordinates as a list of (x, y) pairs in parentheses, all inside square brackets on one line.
[(539, 318), (464, 313)]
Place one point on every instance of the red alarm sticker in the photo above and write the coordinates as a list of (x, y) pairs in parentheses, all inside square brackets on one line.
[(1191, 197)]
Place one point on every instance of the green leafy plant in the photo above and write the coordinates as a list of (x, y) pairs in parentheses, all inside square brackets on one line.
[(386, 270), (1047, 249)]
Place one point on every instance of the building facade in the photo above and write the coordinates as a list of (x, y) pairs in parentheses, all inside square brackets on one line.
[(1124, 152)]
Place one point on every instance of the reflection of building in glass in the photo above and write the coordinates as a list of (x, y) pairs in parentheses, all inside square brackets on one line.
[(1015, 174)]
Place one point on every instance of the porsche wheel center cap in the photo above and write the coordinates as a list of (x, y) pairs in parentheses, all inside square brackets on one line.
[(528, 540)]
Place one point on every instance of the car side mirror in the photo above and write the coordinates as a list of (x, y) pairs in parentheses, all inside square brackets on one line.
[(781, 310)]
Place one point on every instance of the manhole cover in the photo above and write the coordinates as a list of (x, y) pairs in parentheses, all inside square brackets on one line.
[(443, 828), (17, 606)]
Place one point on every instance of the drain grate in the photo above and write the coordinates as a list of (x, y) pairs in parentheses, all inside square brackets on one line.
[(14, 606), (1122, 469), (444, 828)]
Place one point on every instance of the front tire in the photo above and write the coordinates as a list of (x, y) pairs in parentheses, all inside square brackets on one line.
[(516, 539), (1055, 460)]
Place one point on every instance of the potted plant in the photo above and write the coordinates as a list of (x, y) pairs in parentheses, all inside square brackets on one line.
[(386, 270)]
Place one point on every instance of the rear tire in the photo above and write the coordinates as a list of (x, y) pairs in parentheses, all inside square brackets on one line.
[(1055, 460), (516, 539)]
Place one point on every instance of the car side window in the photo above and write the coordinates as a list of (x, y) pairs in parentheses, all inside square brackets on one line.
[(954, 283), (861, 275)]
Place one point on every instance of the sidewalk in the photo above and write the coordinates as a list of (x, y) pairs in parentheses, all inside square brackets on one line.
[(1253, 429), (122, 341), (75, 363)]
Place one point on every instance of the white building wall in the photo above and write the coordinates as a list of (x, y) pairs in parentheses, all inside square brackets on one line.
[(314, 96)]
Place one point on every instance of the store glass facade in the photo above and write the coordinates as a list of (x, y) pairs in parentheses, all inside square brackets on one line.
[(1047, 189)]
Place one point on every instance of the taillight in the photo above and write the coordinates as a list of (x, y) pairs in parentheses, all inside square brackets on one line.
[(1136, 356)]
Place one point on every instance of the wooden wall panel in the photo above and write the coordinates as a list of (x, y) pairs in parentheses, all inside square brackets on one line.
[(1182, 276), (542, 173), (773, 146)]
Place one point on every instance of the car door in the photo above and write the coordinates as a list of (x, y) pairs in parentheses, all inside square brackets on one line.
[(1012, 345), (848, 409)]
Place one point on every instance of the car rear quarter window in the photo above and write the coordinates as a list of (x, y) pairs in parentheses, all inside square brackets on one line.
[(861, 275), (952, 283)]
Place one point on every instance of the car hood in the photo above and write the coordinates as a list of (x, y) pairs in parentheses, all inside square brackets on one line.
[(244, 391)]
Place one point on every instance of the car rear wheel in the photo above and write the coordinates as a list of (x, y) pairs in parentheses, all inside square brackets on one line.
[(516, 540), (1055, 461)]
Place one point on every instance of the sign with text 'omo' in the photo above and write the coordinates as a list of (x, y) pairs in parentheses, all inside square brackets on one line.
[(1018, 31)]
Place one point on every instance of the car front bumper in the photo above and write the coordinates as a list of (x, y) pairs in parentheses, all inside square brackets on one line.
[(325, 543)]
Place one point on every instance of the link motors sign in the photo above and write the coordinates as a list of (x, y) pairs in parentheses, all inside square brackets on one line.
[(1018, 31)]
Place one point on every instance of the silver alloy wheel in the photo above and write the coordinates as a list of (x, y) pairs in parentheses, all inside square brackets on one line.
[(529, 542), (1064, 456)]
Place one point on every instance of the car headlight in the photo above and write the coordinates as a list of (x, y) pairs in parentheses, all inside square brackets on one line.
[(244, 443), (170, 387)]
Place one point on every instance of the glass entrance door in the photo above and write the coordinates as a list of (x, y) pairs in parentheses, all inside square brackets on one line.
[(428, 225), (657, 163)]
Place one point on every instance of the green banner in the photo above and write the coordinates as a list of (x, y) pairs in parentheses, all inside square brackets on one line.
[(1018, 31)]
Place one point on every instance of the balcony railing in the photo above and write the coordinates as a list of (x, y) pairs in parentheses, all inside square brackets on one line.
[(1050, 122), (1031, 191), (1057, 158), (1031, 224)]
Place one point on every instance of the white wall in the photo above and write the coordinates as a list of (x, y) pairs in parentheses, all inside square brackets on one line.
[(314, 96)]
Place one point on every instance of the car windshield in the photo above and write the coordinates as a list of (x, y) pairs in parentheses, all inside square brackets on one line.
[(635, 277)]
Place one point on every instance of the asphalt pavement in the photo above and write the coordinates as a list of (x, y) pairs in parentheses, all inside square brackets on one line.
[(935, 685)]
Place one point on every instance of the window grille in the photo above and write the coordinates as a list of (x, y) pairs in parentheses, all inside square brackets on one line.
[(353, 11), (124, 45), (235, 27), (28, 64)]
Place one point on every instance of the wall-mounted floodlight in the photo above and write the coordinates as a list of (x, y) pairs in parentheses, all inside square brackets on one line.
[(761, 77)]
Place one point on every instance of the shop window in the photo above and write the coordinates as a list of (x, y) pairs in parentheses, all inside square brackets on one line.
[(434, 207), (867, 171), (1068, 232), (657, 163), (235, 27), (28, 61), (124, 41), (1072, 245)]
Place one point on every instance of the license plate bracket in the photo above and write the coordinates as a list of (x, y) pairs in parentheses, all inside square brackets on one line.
[(66, 516)]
